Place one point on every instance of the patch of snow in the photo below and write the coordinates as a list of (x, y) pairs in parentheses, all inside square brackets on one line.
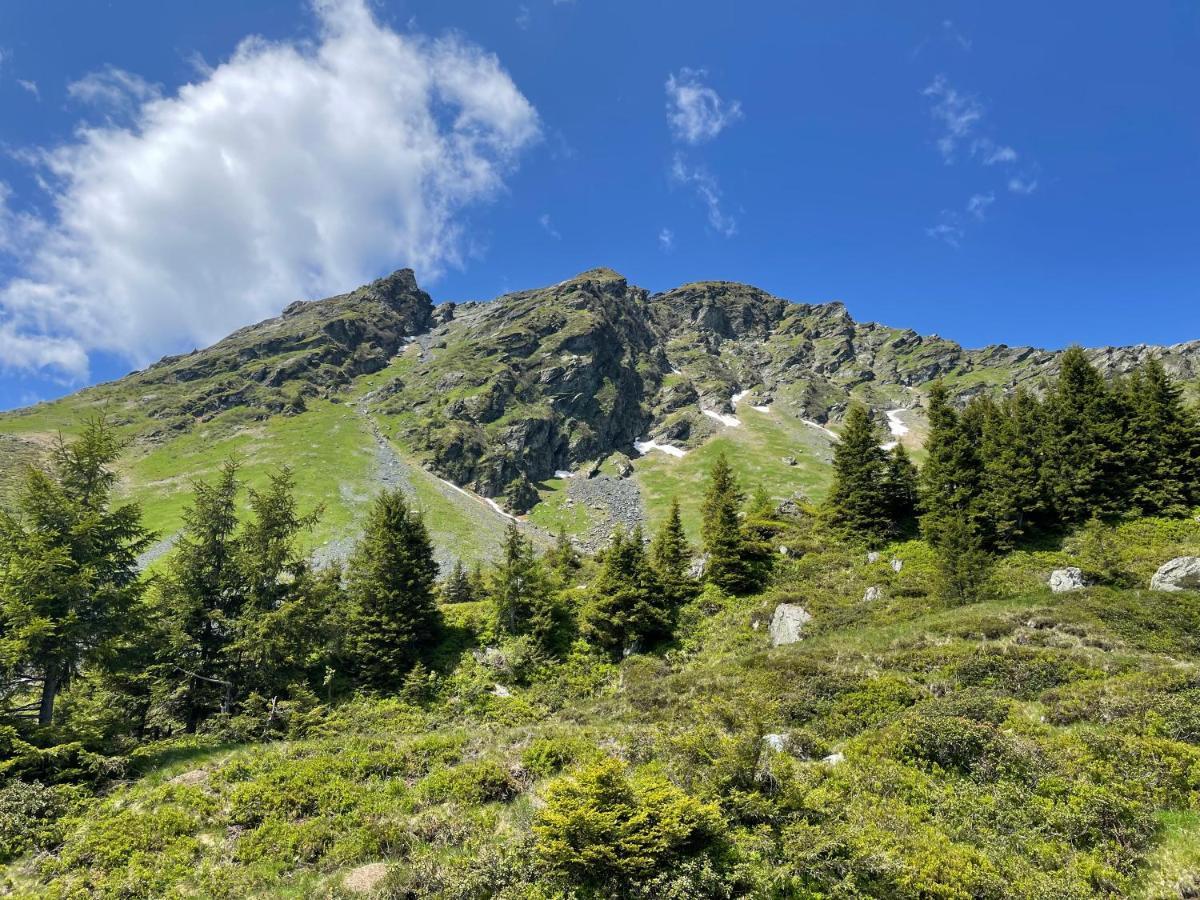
[(890, 445), (492, 503), (731, 421), (820, 427), (895, 425), (563, 473), (498, 508), (740, 396), (761, 408), (675, 371), (644, 447)]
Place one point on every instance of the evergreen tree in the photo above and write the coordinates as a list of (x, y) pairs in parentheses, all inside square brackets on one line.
[(390, 582), (671, 556), (69, 582), (1011, 448), (950, 479), (859, 501), (964, 566), (1083, 463), (522, 594), (562, 557), (458, 587), (721, 531), (630, 608), (900, 491), (1163, 445)]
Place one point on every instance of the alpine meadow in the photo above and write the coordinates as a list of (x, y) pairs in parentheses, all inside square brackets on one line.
[(595, 590)]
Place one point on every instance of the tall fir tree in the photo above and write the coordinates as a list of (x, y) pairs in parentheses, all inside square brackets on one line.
[(1083, 462), (671, 556), (390, 582), (630, 609), (901, 494), (457, 587), (70, 589), (1163, 444), (963, 565), (522, 593), (1012, 451), (952, 474), (562, 557), (858, 501), (721, 531)]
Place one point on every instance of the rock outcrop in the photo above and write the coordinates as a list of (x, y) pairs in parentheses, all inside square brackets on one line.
[(787, 624), (1180, 574), (1068, 579)]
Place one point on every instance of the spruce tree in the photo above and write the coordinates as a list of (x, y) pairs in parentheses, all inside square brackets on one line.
[(522, 593), (951, 477), (671, 556), (721, 531), (1162, 449), (964, 566), (458, 587), (858, 501), (1083, 462), (69, 582), (900, 487), (562, 557), (390, 582), (631, 609), (1012, 446)]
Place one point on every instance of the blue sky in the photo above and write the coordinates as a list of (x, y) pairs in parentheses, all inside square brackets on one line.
[(1019, 172)]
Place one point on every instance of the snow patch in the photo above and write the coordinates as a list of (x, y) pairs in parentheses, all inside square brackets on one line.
[(731, 421), (819, 427), (895, 425), (644, 447), (563, 473), (761, 408), (492, 503), (740, 396)]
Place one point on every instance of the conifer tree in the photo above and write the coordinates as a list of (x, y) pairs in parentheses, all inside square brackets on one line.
[(1083, 464), (390, 582), (630, 608), (1163, 444), (1011, 449), (562, 557), (458, 587), (950, 479), (900, 487), (859, 502), (522, 593), (721, 530), (964, 566), (671, 556), (69, 580)]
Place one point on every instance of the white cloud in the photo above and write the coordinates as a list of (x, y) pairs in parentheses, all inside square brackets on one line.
[(990, 153), (706, 187), (958, 113), (955, 36), (524, 17), (978, 204), (29, 87), (950, 229), (1022, 184), (548, 226), (291, 170), (666, 240), (696, 112)]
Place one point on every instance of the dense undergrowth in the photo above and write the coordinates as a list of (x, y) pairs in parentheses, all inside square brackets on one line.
[(1027, 745)]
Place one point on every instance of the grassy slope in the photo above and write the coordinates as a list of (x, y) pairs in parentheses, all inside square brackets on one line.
[(439, 793)]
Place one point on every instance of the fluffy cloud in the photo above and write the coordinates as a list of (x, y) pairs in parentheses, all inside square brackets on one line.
[(291, 170), (705, 184), (959, 114), (978, 204), (695, 112)]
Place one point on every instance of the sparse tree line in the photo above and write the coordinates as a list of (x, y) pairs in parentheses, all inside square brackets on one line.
[(237, 618), (999, 472)]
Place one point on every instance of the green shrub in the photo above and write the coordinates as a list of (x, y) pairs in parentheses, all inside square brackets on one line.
[(29, 814), (481, 781), (602, 828)]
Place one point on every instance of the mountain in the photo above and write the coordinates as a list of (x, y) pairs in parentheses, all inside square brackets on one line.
[(579, 405)]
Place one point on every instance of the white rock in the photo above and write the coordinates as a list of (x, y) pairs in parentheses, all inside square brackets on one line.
[(873, 593), (873, 556), (897, 565), (834, 758), (787, 625), (1068, 579), (501, 691), (777, 742), (1180, 574)]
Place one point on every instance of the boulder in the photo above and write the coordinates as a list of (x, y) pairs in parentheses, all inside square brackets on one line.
[(1180, 574), (776, 742), (787, 625), (873, 556), (873, 593), (1068, 579), (897, 565), (834, 758), (698, 567)]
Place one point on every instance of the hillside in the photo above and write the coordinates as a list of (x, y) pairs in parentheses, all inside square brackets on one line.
[(1030, 745), (530, 405)]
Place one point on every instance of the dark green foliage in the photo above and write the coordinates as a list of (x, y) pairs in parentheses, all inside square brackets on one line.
[(458, 587), (390, 584), (563, 558), (1011, 446), (521, 591), (964, 566), (952, 475), (70, 590), (630, 610), (1162, 444), (860, 500), (900, 488), (721, 530)]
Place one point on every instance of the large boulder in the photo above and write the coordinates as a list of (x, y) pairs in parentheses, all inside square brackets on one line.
[(787, 625), (1068, 579), (1180, 574)]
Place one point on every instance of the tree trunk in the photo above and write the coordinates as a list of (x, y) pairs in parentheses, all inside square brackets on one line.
[(49, 693)]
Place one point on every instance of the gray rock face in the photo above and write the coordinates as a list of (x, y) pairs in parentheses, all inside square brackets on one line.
[(1068, 579), (1180, 574), (787, 625)]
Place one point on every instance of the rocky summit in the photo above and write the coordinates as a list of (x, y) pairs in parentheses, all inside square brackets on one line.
[(575, 406)]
